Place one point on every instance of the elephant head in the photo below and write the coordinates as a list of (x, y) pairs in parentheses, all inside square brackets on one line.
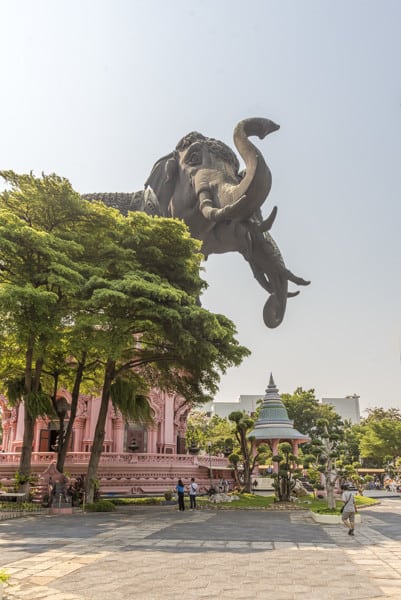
[(201, 184), (200, 181)]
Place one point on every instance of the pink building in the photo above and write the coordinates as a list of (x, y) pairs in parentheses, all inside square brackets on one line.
[(136, 459), (167, 436)]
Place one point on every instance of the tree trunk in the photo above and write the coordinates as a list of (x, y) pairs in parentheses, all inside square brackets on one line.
[(29, 424), (26, 452), (247, 472), (99, 431), (330, 484), (236, 475), (65, 441)]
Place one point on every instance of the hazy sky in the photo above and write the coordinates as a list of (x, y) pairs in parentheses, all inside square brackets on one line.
[(97, 91)]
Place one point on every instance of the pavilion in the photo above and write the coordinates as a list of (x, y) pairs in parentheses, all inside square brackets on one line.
[(273, 425)]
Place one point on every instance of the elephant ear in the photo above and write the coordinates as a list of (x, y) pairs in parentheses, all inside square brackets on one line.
[(162, 180)]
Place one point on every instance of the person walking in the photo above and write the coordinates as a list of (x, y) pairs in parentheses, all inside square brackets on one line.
[(180, 491), (193, 488), (348, 510)]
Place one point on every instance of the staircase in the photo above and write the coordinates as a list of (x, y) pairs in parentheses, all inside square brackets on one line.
[(39, 492), (306, 484)]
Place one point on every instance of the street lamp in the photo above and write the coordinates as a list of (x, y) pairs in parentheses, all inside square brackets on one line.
[(209, 446)]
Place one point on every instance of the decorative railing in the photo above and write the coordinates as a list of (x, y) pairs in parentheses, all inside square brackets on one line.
[(124, 458), (213, 461)]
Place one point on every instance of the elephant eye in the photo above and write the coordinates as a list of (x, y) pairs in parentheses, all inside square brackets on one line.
[(193, 159)]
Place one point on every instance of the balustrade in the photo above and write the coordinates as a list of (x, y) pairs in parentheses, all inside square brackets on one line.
[(114, 458)]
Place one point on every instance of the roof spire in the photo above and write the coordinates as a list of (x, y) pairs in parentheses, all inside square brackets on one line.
[(271, 388)]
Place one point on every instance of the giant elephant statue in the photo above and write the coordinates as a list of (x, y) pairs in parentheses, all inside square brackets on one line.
[(200, 183)]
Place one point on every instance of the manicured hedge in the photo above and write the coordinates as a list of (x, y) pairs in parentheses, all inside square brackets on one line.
[(100, 506)]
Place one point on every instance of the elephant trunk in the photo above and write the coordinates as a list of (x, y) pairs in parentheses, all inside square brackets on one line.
[(274, 308), (241, 200)]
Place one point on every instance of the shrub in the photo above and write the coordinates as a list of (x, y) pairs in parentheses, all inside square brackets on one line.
[(168, 495), (136, 501), (326, 511), (4, 576), (100, 506)]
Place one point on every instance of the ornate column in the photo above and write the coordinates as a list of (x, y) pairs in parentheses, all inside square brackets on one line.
[(79, 425), (274, 446), (118, 434), (152, 440)]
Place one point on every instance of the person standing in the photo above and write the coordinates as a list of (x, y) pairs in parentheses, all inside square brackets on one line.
[(349, 510), (180, 491), (193, 488)]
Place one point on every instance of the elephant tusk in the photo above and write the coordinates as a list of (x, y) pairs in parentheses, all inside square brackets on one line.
[(292, 294), (211, 213), (295, 279), (206, 206), (266, 225)]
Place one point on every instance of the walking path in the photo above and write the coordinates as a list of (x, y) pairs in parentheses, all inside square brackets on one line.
[(159, 554)]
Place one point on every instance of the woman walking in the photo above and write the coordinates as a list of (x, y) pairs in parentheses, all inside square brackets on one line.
[(180, 491)]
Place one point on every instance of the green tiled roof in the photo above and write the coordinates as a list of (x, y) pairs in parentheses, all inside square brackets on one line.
[(273, 422)]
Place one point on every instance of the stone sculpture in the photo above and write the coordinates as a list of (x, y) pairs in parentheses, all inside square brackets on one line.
[(200, 183)]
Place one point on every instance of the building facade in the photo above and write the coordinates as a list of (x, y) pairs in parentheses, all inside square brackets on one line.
[(136, 459), (347, 408), (165, 436)]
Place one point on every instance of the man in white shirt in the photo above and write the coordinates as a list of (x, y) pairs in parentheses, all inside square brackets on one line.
[(193, 488), (349, 510)]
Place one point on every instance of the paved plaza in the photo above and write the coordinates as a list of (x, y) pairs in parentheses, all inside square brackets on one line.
[(158, 553)]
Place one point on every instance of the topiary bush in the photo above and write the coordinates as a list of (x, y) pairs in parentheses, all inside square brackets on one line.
[(100, 506)]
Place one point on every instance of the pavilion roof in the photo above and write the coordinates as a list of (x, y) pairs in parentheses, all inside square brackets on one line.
[(273, 422)]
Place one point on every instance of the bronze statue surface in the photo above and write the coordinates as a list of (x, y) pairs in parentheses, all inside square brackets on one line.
[(200, 183)]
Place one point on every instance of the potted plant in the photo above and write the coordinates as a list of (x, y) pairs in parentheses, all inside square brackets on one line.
[(168, 497)]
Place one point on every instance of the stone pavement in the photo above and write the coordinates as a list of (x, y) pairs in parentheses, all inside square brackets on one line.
[(158, 553)]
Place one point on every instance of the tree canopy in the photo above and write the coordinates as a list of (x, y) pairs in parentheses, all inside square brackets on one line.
[(81, 284), (305, 410)]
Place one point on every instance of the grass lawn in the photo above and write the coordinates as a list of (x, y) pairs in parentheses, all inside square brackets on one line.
[(245, 501), (251, 501), (320, 506)]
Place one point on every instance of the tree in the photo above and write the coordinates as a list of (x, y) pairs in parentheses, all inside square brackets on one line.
[(84, 288), (216, 430), (288, 472), (380, 439), (352, 439), (39, 273), (247, 457), (350, 473), (151, 324), (305, 410), (326, 446), (376, 414)]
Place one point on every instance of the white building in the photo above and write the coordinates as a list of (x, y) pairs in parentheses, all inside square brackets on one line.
[(248, 403), (347, 408)]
